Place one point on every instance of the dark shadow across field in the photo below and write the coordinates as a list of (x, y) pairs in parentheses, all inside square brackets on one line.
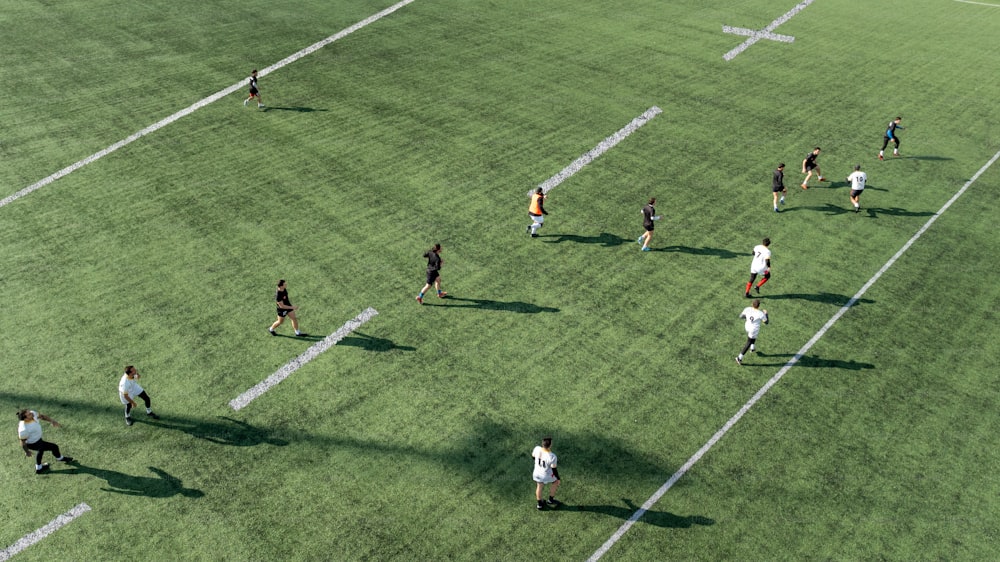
[(605, 239), (487, 304), (656, 518), (809, 361), (824, 298), (372, 343), (298, 109), (162, 486), (720, 253)]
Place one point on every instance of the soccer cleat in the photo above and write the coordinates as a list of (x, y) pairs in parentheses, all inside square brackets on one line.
[(647, 249), (527, 229), (129, 420), (533, 235), (245, 102), (821, 178), (857, 209), (65, 459), (420, 300), (442, 295), (552, 502), (781, 201), (895, 153), (301, 335), (45, 468), (739, 361), (880, 157), (756, 290), (153, 415), (260, 106), (539, 506), (775, 209), (272, 332), (804, 186), (639, 240), (747, 294)]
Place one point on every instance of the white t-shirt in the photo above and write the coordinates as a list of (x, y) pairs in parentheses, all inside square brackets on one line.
[(31, 431), (545, 461), (754, 317), (130, 387), (760, 256), (857, 180)]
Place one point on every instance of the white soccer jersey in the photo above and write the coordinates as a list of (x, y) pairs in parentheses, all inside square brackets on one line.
[(754, 317), (128, 386), (31, 432), (545, 461), (760, 256), (857, 180)]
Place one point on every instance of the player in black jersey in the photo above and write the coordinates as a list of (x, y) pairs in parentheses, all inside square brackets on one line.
[(808, 165), (890, 135), (254, 91), (285, 308), (778, 186)]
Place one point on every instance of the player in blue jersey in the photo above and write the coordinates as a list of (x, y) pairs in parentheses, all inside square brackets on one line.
[(890, 135)]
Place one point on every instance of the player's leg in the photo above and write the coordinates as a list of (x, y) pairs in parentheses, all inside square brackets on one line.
[(437, 286), (819, 174), (278, 322), (753, 276), (552, 501), (895, 151), (746, 347), (767, 275), (295, 322), (647, 237), (538, 495)]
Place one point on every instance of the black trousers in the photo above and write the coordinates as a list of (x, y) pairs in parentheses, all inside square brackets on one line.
[(145, 398), (41, 446)]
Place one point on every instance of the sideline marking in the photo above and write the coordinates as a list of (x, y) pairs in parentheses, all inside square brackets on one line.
[(598, 150), (979, 3), (308, 355), (53, 526), (200, 104), (774, 380), (764, 33)]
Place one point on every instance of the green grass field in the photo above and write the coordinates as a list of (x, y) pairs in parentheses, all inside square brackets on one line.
[(410, 439)]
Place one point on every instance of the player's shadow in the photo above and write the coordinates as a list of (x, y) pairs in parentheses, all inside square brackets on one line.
[(824, 298), (228, 432), (605, 239), (720, 253), (296, 108), (305, 337), (163, 485), (486, 304), (371, 343), (923, 157), (812, 361), (874, 212), (656, 518)]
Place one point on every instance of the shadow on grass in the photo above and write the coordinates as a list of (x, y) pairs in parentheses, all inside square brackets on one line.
[(230, 432), (922, 157), (486, 304), (605, 239), (162, 486), (811, 361), (305, 337), (657, 518), (825, 298), (874, 212), (720, 253), (371, 343), (296, 108)]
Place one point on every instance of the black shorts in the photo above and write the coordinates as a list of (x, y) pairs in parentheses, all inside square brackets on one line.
[(855, 193), (777, 188), (282, 312), (432, 275), (811, 167), (648, 226), (253, 91)]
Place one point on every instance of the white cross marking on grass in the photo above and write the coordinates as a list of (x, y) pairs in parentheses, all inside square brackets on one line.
[(764, 33), (199, 104), (53, 526), (781, 373), (598, 150), (308, 355)]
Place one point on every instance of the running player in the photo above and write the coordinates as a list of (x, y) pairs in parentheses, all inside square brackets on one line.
[(254, 91), (761, 265), (857, 180), (890, 135), (754, 316), (808, 165)]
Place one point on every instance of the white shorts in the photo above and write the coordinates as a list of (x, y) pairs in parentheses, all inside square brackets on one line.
[(539, 219), (753, 335), (543, 479), (759, 270)]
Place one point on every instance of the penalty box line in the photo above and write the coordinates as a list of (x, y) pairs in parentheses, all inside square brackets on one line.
[(308, 355), (781, 372), (601, 148), (199, 104), (35, 536)]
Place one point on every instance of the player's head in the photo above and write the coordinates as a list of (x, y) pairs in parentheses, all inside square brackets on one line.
[(538, 191), (781, 166), (130, 370), (546, 442), (756, 303), (436, 248), (766, 242), (857, 167), (898, 119), (652, 200), (281, 283), (253, 72), (23, 415), (816, 150)]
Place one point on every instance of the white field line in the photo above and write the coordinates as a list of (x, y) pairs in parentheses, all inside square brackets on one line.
[(308, 355), (759, 34), (33, 537), (766, 32), (781, 373), (598, 150), (978, 3), (199, 104)]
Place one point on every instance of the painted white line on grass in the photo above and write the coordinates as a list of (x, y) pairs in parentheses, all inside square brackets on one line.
[(781, 373), (764, 33), (199, 104), (758, 34), (978, 3), (53, 526), (308, 355), (598, 150)]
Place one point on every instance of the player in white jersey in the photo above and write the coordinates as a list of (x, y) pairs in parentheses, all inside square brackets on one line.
[(754, 317), (29, 431), (761, 265), (857, 180), (129, 390), (545, 472)]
